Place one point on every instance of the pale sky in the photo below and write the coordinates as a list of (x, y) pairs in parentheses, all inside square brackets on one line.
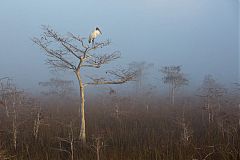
[(201, 35)]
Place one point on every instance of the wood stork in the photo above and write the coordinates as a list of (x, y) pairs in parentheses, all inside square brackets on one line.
[(94, 35)]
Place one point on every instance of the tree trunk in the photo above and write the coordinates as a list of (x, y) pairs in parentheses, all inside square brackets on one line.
[(173, 95), (82, 134), (239, 115), (170, 93), (14, 125)]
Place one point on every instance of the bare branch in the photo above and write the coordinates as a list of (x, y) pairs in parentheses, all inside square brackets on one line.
[(119, 76), (61, 49), (97, 60), (100, 45), (79, 39), (56, 56)]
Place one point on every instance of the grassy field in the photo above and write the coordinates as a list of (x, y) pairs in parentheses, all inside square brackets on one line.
[(120, 128)]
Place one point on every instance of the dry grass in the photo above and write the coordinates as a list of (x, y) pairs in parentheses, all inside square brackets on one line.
[(160, 132)]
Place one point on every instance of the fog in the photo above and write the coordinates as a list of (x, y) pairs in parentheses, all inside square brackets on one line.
[(200, 35), (172, 93)]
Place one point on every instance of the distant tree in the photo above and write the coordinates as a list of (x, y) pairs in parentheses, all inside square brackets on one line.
[(238, 96), (141, 69), (58, 90), (211, 91), (173, 76), (74, 53), (58, 87), (12, 99), (5, 89)]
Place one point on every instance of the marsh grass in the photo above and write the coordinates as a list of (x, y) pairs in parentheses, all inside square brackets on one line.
[(135, 134)]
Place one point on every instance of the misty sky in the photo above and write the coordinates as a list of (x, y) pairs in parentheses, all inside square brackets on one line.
[(201, 35)]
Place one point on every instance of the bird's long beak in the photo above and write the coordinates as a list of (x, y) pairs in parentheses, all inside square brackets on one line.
[(100, 31)]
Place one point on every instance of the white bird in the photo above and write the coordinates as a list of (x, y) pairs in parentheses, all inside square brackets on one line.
[(94, 35)]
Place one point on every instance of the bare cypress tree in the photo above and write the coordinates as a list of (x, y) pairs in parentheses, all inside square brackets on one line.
[(173, 76), (4, 89), (11, 98), (73, 53), (57, 87), (238, 95), (211, 91), (141, 70), (58, 90)]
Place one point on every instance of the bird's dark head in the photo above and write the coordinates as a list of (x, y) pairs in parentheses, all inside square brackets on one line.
[(97, 29)]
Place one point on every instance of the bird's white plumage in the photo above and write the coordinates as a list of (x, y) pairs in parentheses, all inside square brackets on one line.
[(94, 35)]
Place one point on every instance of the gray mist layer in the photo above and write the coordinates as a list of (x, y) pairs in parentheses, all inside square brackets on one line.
[(201, 35)]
